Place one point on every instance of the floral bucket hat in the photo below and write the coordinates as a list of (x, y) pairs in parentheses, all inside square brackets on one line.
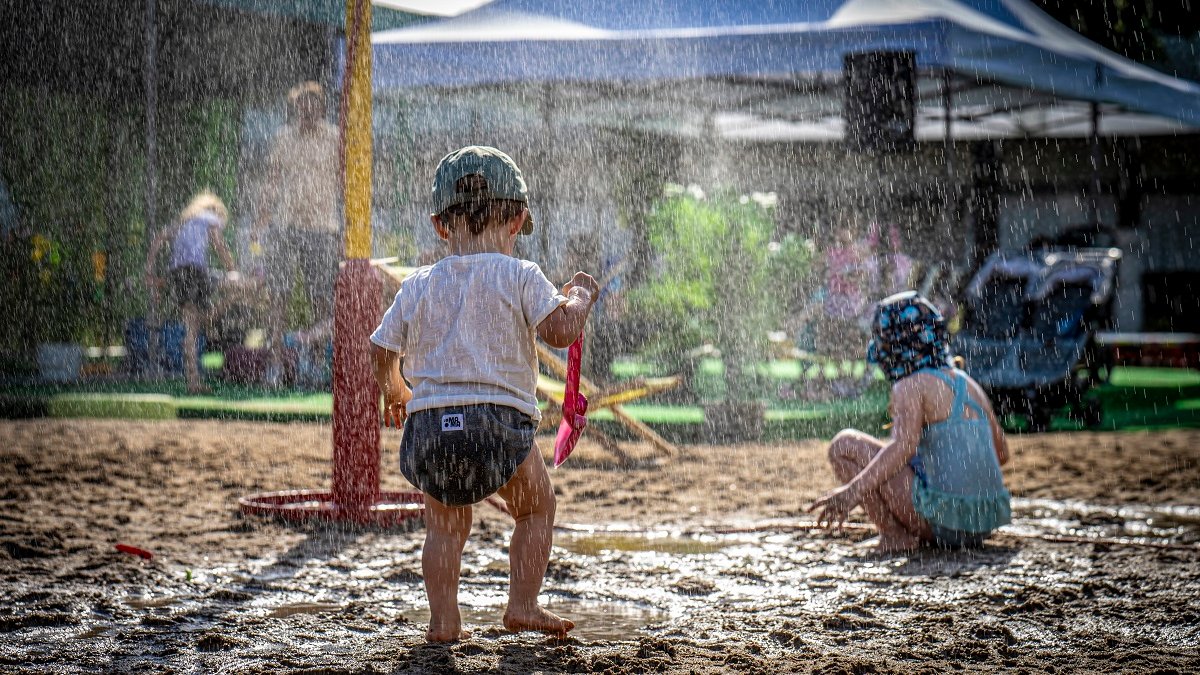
[(908, 334)]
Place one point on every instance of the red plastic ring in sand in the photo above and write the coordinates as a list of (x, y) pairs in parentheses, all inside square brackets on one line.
[(355, 497), (134, 550), (391, 509)]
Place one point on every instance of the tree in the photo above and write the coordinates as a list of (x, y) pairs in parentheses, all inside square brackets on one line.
[(718, 278), (1132, 28)]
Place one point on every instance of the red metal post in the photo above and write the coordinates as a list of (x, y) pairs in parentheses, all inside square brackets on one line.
[(355, 497), (355, 394)]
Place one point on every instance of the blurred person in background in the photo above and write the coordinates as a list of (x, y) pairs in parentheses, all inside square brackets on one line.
[(198, 230), (298, 228)]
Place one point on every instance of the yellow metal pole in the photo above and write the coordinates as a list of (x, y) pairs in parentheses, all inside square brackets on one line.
[(355, 491), (357, 137), (355, 495)]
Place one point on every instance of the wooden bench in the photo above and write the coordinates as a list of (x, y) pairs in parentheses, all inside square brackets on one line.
[(610, 399), (1171, 350)]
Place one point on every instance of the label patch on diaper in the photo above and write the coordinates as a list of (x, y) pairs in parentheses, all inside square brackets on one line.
[(452, 422)]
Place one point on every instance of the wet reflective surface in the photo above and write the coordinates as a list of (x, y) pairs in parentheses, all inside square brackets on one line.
[(653, 585), (678, 569), (1134, 523)]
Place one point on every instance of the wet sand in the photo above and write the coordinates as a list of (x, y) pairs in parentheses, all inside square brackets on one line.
[(698, 563)]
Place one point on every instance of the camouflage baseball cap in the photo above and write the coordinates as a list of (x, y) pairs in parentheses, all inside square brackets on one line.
[(477, 173)]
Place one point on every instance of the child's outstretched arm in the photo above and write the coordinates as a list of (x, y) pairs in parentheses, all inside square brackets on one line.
[(566, 323), (218, 242), (908, 422), (396, 393), (908, 416), (156, 244)]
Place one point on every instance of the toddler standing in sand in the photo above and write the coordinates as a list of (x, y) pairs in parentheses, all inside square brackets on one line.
[(197, 230), (464, 329), (937, 480)]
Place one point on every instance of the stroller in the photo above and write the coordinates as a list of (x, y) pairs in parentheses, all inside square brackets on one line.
[(1028, 335)]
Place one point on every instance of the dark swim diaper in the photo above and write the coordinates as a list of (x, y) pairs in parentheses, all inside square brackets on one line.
[(461, 454)]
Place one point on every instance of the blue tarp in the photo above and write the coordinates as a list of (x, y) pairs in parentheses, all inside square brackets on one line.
[(1010, 42)]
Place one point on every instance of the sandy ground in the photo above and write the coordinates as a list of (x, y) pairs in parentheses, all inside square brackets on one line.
[(698, 563)]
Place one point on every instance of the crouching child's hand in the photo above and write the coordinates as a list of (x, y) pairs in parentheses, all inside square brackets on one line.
[(835, 506)]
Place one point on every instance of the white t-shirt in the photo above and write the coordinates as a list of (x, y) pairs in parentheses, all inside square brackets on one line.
[(309, 186), (466, 328)]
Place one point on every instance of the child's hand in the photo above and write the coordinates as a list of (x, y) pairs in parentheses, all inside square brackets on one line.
[(395, 406), (835, 505), (584, 282), (564, 324)]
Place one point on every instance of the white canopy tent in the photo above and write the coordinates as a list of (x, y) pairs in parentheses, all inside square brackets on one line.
[(760, 72), (995, 69)]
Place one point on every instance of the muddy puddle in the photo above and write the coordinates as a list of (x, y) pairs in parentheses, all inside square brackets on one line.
[(779, 590), (1133, 524), (663, 571), (621, 584)]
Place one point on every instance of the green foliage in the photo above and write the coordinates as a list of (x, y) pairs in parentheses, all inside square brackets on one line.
[(391, 240), (1134, 29), (76, 170), (54, 165), (716, 280)]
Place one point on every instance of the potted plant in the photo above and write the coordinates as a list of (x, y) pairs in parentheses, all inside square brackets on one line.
[(60, 294)]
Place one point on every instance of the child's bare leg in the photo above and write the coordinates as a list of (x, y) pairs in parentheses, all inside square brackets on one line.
[(276, 319), (191, 334), (531, 502), (889, 507), (446, 530), (896, 494)]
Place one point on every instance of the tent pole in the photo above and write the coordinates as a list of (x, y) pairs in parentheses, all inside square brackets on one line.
[(950, 206), (150, 83), (1095, 183), (947, 106), (551, 175), (1094, 188), (357, 291)]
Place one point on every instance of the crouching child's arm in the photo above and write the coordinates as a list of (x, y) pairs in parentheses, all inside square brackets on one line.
[(908, 417), (566, 323), (396, 393)]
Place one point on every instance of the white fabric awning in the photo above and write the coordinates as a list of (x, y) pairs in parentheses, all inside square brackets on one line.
[(1015, 71)]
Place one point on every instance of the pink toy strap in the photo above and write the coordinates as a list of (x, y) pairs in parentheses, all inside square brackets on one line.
[(574, 365), (574, 405)]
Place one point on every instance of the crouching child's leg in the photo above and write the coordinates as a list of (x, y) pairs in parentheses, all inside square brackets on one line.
[(890, 506), (446, 533), (530, 499)]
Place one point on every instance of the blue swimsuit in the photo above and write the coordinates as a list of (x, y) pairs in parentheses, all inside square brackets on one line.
[(958, 486)]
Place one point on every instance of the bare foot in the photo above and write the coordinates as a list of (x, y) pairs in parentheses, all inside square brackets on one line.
[(898, 543), (537, 619), (449, 634)]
